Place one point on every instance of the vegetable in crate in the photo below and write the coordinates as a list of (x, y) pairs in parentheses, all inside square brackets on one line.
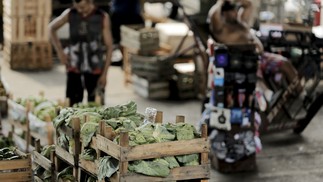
[(45, 108), (66, 175), (156, 167), (107, 167), (41, 172), (156, 133), (125, 110), (88, 154), (8, 153), (5, 142)]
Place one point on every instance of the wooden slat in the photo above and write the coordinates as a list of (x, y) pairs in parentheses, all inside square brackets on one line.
[(64, 155), (15, 164), (164, 149), (124, 142), (89, 166), (108, 146), (37, 179), (16, 124), (205, 155), (18, 139), (42, 161), (93, 143), (16, 176), (67, 131), (181, 173)]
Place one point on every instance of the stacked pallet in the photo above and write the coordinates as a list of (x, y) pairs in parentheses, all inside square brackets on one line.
[(26, 38)]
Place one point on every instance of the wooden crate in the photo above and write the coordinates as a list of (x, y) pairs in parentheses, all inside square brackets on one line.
[(26, 28), (124, 153), (139, 38), (27, 7), (91, 167), (64, 157), (28, 56), (47, 164), (152, 67), (18, 113), (16, 170), (42, 130)]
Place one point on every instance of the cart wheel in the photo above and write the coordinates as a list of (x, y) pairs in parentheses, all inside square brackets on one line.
[(311, 112)]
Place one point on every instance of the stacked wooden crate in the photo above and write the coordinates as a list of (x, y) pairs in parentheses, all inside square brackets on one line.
[(26, 36), (137, 40), (152, 75)]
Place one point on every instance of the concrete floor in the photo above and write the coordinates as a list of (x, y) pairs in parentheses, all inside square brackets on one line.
[(285, 157)]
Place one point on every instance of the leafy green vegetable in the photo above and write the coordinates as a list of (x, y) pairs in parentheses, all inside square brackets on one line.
[(87, 132), (187, 158), (161, 134), (66, 175), (172, 162), (107, 167), (157, 167), (128, 109), (89, 154)]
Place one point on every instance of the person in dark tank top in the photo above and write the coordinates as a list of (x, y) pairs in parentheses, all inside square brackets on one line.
[(85, 58)]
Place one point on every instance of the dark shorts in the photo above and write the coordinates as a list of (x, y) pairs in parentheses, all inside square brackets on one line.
[(118, 19), (76, 83)]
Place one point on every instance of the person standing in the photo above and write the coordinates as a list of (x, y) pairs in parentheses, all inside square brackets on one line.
[(86, 61), (124, 12)]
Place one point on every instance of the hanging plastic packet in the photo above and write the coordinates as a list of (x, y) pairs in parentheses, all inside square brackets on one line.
[(150, 117)]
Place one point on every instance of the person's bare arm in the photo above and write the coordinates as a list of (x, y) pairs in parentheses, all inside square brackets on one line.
[(245, 12), (56, 24), (215, 18), (107, 38)]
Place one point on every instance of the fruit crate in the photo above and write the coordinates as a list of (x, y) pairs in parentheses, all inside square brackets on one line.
[(43, 162), (124, 154), (16, 170), (28, 56), (27, 7)]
